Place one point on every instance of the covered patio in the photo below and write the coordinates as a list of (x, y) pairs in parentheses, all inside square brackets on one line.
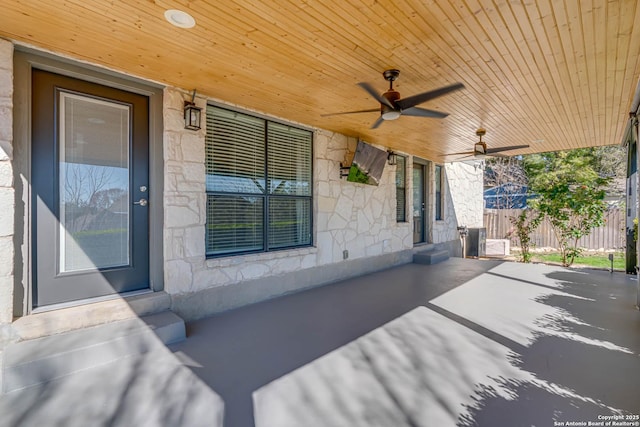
[(302, 304), (464, 342)]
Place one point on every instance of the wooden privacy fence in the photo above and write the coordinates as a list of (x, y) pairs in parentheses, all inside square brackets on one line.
[(610, 236)]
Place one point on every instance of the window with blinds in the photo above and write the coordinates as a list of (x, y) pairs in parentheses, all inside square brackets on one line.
[(401, 189), (258, 184)]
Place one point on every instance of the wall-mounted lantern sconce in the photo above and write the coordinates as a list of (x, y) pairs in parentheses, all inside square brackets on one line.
[(392, 158), (192, 114)]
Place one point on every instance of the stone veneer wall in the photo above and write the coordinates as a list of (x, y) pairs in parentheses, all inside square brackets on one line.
[(7, 198), (463, 204), (354, 217), (7, 193), (347, 216)]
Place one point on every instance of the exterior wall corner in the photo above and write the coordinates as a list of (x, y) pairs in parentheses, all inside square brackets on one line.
[(7, 190), (463, 202)]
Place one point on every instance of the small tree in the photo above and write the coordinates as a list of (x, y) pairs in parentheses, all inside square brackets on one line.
[(525, 225), (570, 195)]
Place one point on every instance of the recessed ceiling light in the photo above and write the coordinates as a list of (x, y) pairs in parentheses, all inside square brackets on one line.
[(179, 18), (538, 141)]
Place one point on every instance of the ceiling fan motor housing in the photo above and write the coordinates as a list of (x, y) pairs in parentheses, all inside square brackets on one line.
[(480, 148), (390, 113)]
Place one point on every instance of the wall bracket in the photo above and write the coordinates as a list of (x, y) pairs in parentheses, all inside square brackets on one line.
[(344, 171)]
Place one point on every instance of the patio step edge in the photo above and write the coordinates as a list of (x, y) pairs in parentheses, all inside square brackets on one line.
[(84, 316), (37, 361), (433, 256)]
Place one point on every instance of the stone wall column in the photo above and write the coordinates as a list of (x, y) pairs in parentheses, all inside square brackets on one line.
[(184, 193), (7, 193)]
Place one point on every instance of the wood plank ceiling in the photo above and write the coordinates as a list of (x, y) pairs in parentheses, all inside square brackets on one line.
[(548, 73)]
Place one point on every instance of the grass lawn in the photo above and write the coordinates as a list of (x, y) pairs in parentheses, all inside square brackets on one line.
[(598, 260)]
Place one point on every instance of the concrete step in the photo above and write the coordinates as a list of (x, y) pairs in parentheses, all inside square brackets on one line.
[(37, 361), (67, 319), (432, 256)]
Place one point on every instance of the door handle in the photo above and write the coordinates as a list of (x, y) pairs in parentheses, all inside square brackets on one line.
[(141, 202)]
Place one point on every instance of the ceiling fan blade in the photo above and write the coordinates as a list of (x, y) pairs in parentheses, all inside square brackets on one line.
[(377, 123), (460, 154), (351, 112), (423, 112), (511, 147), (371, 91), (414, 100), (462, 158)]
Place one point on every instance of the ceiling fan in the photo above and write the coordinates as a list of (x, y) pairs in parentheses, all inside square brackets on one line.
[(480, 149), (392, 106)]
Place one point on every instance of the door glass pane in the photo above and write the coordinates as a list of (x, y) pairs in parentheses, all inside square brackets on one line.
[(418, 204), (94, 183), (401, 186), (438, 192)]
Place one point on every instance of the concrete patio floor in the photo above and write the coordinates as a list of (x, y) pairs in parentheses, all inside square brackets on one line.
[(464, 342)]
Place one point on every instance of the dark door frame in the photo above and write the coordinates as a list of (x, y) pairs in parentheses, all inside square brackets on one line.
[(426, 220), (25, 60), (51, 285)]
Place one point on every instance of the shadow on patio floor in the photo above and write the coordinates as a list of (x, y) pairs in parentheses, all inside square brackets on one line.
[(464, 342)]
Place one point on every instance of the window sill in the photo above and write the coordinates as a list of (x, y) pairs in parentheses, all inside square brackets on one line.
[(227, 260)]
